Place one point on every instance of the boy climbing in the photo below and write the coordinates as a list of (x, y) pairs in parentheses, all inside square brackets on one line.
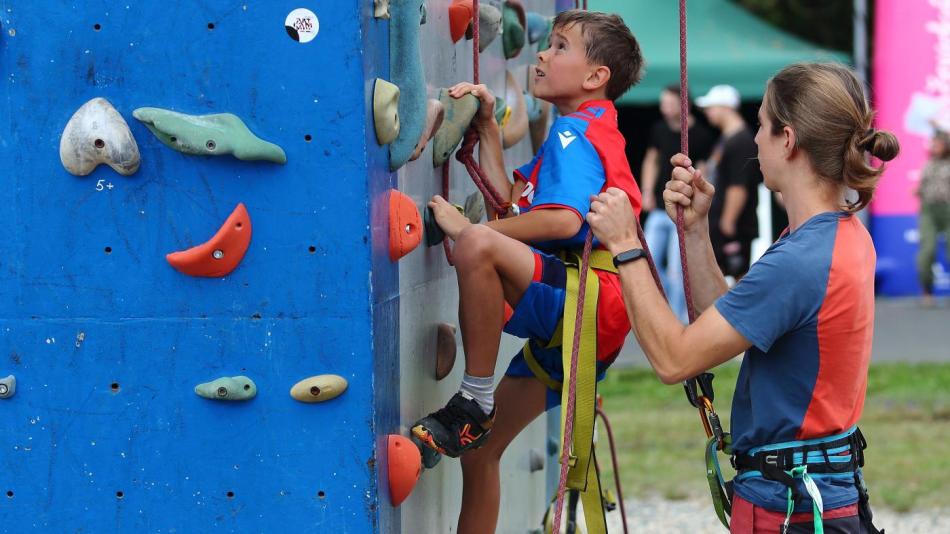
[(527, 260)]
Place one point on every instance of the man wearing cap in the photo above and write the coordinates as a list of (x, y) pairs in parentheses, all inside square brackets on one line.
[(734, 170)]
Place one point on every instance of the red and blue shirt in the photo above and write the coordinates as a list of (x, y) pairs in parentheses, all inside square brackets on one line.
[(582, 156), (807, 306)]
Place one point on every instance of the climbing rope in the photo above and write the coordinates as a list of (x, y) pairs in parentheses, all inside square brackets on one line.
[(616, 466)]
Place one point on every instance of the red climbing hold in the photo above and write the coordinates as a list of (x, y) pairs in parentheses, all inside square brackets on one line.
[(460, 16), (405, 225), (222, 253), (405, 466)]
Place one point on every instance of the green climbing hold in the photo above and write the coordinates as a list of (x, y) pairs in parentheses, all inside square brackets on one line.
[(458, 115), (512, 28), (7, 387), (502, 111), (208, 135), (228, 388), (474, 209)]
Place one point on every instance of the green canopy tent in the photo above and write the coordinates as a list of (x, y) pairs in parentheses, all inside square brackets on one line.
[(726, 44)]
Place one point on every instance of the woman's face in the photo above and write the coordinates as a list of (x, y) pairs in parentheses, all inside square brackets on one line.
[(771, 149)]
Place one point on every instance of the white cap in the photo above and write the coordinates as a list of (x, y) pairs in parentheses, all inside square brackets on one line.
[(720, 95)]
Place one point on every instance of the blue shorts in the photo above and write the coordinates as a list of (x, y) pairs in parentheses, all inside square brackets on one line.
[(536, 317)]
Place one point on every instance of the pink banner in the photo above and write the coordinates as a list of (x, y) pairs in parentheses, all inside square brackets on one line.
[(911, 88)]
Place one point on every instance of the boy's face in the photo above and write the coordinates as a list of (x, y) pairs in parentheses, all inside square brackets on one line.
[(563, 69)]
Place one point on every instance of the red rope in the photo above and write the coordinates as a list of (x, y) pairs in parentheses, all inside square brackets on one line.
[(613, 459), (684, 148)]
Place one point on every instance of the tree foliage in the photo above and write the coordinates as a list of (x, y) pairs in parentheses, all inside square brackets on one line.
[(827, 23)]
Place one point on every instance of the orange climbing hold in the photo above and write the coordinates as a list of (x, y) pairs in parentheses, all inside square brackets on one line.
[(405, 466), (405, 225), (222, 253), (460, 16)]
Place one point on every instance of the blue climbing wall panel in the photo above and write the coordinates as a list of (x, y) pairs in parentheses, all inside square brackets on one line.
[(107, 341)]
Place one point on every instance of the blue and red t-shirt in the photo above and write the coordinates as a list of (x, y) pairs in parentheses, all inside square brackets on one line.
[(807, 306), (582, 156)]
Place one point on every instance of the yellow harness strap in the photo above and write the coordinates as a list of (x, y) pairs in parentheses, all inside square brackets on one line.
[(582, 473)]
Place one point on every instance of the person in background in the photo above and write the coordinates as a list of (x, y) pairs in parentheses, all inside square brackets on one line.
[(659, 230), (934, 193), (734, 171)]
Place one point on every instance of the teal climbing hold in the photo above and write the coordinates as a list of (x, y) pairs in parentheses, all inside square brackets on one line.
[(536, 26), (228, 388), (405, 68), (459, 113), (208, 135), (7, 387), (533, 106), (513, 28)]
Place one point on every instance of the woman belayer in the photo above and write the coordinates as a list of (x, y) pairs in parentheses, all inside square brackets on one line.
[(803, 314)]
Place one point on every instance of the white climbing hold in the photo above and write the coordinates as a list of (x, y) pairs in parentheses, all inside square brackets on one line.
[(98, 134)]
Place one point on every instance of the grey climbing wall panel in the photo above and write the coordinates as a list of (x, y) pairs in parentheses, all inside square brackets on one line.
[(429, 295)]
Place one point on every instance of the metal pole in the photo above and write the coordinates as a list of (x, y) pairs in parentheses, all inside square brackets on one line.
[(861, 39)]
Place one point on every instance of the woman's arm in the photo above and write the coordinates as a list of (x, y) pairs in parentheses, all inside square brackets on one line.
[(676, 351)]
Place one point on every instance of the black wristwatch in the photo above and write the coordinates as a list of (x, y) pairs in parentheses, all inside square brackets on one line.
[(633, 254)]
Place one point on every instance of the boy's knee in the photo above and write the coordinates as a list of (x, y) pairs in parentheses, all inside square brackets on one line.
[(475, 244)]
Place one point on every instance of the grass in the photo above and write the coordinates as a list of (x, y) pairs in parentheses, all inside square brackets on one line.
[(906, 414)]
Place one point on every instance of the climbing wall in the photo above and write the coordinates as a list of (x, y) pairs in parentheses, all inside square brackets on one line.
[(429, 295), (107, 341)]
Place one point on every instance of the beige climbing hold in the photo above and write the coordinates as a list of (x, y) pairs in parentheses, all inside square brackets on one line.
[(517, 126), (381, 9), (435, 112), (98, 134), (319, 388), (385, 111), (445, 349)]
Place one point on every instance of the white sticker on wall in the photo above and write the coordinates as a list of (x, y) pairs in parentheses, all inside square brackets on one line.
[(302, 25)]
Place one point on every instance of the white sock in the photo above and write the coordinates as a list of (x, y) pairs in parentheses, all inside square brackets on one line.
[(481, 389)]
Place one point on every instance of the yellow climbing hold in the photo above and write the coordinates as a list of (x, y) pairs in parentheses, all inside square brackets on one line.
[(319, 388)]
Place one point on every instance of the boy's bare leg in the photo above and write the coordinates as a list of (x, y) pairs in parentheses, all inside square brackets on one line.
[(492, 268), (519, 401)]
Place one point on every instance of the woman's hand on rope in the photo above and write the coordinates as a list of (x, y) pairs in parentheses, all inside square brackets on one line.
[(612, 220), (486, 111), (448, 217), (689, 189)]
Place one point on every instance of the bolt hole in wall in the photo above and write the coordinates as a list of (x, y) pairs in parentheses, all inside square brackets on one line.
[(312, 249), (322, 494), (99, 143), (210, 25), (9, 494), (107, 250), (308, 138), (119, 495), (230, 494), (97, 26), (114, 387)]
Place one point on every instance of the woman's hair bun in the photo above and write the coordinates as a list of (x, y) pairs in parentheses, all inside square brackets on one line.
[(881, 144)]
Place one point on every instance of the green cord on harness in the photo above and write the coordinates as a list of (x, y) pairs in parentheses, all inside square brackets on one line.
[(812, 489)]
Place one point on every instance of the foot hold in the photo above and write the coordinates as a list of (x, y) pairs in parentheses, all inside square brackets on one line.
[(405, 225), (228, 388), (208, 135), (319, 388), (7, 387), (222, 253), (405, 466), (385, 111), (98, 134), (445, 350)]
